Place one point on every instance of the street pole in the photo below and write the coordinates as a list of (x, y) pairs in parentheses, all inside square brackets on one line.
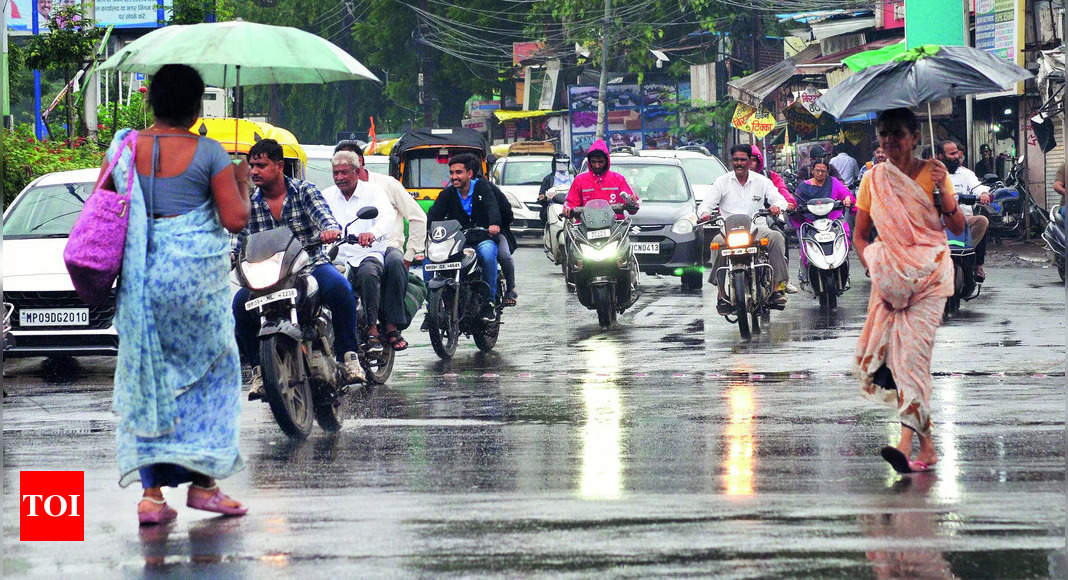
[(39, 128), (5, 101), (91, 87), (968, 100), (602, 85)]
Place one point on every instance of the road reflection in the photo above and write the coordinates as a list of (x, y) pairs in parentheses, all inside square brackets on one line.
[(909, 521), (602, 464), (740, 441)]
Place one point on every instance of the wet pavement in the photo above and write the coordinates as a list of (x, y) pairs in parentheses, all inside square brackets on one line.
[(665, 446)]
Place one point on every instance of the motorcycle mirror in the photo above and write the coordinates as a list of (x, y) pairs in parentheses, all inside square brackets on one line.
[(332, 254), (367, 213), (560, 198)]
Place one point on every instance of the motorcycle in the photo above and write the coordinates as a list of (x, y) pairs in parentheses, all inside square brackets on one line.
[(747, 277), (301, 376), (966, 285), (377, 364), (1006, 209), (600, 259), (553, 232), (457, 291), (824, 251), (1053, 235)]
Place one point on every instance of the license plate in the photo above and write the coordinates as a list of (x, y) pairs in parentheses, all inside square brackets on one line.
[(598, 234), (646, 247), (824, 237), (275, 297), (738, 251), (445, 266), (54, 317)]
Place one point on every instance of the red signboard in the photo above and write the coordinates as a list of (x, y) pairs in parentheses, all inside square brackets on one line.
[(893, 14)]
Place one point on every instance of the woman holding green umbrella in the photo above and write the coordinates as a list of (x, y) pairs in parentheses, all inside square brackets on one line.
[(911, 277)]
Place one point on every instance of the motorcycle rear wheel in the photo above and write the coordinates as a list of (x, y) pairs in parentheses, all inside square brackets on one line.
[(379, 367), (286, 385), (444, 329), (739, 288)]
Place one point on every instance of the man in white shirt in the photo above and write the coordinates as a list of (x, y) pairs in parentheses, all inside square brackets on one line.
[(746, 192), (847, 167), (403, 249), (382, 299), (965, 182)]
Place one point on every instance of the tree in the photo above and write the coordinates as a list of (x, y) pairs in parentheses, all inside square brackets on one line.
[(71, 41)]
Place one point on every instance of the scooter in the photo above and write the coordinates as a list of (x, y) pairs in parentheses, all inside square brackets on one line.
[(457, 290), (601, 265), (747, 277), (824, 251), (301, 375), (1053, 235), (553, 233)]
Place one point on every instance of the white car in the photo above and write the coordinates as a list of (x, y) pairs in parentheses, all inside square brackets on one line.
[(701, 169), (519, 177), (321, 172), (48, 318)]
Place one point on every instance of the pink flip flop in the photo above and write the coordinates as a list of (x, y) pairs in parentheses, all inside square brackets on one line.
[(160, 516), (919, 467), (214, 503)]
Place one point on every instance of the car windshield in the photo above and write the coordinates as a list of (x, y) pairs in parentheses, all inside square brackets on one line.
[(655, 182), (48, 211), (381, 167), (526, 172), (426, 171), (320, 172), (702, 171)]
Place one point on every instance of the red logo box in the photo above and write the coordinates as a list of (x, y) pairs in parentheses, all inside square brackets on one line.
[(52, 506)]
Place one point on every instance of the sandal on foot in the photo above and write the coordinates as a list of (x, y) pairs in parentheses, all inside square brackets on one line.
[(374, 344), (898, 460), (213, 503), (161, 516), (919, 467), (396, 341), (508, 302)]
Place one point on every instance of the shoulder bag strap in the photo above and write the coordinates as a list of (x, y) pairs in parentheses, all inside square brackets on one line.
[(130, 138)]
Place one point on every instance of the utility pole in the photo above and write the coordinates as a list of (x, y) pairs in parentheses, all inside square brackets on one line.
[(348, 88), (5, 100), (91, 88), (602, 85), (39, 127)]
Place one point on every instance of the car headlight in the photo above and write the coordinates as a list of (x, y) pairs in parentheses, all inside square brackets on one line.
[(439, 252), (597, 254), (263, 274), (738, 239), (684, 225)]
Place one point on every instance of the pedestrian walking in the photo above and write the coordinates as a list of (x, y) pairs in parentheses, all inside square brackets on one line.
[(178, 377), (911, 277)]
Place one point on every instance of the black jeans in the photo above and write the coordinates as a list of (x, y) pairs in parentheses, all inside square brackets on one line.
[(394, 287)]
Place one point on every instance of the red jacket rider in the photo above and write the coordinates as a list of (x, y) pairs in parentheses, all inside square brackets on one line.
[(599, 183)]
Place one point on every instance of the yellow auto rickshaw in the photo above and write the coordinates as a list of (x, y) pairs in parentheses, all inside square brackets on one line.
[(237, 136), (420, 159)]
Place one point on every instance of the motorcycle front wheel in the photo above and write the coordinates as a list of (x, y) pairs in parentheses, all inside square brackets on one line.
[(739, 290), (286, 385), (444, 328), (602, 301)]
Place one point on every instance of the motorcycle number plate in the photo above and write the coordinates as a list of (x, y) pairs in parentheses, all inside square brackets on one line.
[(646, 247), (598, 234), (445, 266), (823, 237), (286, 294)]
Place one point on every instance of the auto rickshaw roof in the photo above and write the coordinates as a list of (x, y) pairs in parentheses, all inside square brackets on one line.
[(239, 135), (448, 137)]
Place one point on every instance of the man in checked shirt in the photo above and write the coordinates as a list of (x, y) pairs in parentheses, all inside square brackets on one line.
[(280, 201)]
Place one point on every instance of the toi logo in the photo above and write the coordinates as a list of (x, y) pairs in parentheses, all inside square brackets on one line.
[(51, 506)]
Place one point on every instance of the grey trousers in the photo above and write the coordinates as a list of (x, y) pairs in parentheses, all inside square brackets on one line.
[(504, 258), (776, 255), (394, 286)]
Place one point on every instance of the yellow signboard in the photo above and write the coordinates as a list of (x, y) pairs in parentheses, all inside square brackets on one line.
[(748, 119)]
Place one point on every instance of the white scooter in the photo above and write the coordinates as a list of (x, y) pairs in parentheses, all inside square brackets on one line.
[(553, 234), (824, 251)]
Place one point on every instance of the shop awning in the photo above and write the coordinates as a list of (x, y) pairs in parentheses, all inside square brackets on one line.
[(753, 89), (829, 28), (515, 115)]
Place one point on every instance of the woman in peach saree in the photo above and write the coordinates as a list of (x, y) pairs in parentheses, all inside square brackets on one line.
[(911, 276)]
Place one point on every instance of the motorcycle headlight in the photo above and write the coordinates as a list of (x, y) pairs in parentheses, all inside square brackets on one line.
[(598, 254), (738, 239), (439, 252), (263, 274), (684, 225)]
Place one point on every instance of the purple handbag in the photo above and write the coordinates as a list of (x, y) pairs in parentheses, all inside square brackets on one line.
[(94, 250)]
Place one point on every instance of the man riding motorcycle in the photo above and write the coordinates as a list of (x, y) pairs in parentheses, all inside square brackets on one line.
[(280, 201), (966, 182), (744, 192), (471, 202)]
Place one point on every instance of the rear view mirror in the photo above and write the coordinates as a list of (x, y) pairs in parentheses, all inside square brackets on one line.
[(367, 213), (560, 198)]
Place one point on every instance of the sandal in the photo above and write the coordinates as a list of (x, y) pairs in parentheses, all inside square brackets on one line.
[(374, 343), (213, 503), (508, 302), (161, 516), (396, 341)]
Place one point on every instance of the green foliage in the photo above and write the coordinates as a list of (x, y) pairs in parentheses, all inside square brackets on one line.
[(25, 158), (71, 40), (197, 11), (136, 115), (703, 121)]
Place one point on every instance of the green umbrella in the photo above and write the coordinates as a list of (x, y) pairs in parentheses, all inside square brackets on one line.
[(239, 53)]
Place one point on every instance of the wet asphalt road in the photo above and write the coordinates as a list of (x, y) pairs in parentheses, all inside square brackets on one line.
[(664, 447)]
